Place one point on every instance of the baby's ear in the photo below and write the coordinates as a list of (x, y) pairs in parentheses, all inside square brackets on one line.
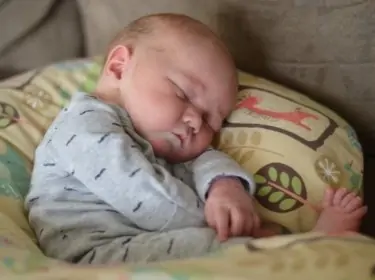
[(117, 61)]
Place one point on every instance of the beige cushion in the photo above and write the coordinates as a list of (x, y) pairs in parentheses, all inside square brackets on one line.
[(325, 48), (295, 147)]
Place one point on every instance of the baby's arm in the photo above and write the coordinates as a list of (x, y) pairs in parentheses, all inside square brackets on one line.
[(92, 143), (213, 165), (227, 189)]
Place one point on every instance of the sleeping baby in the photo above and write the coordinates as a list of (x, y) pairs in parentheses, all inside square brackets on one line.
[(127, 174)]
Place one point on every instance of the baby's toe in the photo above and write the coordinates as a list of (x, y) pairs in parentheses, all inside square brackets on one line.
[(328, 197), (339, 196), (347, 199), (353, 204), (358, 214)]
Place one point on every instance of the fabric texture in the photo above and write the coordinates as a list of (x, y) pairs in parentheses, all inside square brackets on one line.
[(99, 195), (293, 257)]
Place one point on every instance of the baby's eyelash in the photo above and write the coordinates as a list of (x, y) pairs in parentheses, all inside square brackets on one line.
[(181, 95)]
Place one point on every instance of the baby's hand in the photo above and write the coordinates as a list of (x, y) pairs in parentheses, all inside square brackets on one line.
[(229, 209)]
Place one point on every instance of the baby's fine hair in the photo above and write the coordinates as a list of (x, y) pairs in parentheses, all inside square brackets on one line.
[(149, 25)]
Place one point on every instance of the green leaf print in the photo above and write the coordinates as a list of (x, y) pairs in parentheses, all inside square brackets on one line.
[(272, 173), (276, 197), (284, 179), (265, 190), (287, 204), (280, 188), (259, 179), (297, 185)]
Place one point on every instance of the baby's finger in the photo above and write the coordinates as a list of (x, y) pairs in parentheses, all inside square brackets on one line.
[(222, 223), (249, 229), (256, 223), (237, 222), (252, 223), (210, 219)]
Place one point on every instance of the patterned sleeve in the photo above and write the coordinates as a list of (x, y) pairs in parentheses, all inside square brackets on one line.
[(92, 141), (214, 164)]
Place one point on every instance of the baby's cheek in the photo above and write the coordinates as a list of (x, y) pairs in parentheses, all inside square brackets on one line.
[(204, 140), (167, 120), (160, 146)]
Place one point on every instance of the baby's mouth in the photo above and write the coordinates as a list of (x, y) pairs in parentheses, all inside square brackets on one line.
[(180, 139)]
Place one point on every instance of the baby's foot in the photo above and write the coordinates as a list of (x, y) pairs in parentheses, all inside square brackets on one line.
[(342, 211)]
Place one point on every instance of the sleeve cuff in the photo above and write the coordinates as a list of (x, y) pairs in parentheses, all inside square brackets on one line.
[(213, 164)]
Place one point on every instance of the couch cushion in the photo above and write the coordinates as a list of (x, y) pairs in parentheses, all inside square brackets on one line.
[(36, 33), (325, 48)]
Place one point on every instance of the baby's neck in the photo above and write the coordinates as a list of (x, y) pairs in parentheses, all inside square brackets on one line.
[(107, 93)]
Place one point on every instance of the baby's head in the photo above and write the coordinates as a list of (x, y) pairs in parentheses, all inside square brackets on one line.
[(176, 80)]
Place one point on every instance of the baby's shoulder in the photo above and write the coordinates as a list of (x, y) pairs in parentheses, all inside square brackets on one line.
[(86, 107), (81, 100)]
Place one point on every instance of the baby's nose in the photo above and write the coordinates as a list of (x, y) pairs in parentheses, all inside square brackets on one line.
[(193, 118)]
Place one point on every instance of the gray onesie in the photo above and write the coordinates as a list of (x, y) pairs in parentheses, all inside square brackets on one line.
[(99, 195)]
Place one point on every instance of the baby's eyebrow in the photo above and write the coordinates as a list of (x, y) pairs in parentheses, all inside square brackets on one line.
[(198, 85)]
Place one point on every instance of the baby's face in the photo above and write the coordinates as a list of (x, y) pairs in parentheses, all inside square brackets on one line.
[(178, 97)]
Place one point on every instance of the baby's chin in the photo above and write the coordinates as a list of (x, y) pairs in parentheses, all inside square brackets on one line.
[(173, 155), (178, 158), (170, 152)]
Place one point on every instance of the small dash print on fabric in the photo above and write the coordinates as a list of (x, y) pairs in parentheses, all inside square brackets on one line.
[(71, 139), (86, 111), (117, 124), (70, 174), (64, 236), (134, 172), (68, 189), (125, 255), (137, 207), (33, 200), (126, 241), (100, 173), (103, 137), (92, 256), (79, 257), (98, 231), (170, 246), (49, 164)]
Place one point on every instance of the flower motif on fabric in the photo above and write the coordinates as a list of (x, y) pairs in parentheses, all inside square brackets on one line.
[(328, 171)]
